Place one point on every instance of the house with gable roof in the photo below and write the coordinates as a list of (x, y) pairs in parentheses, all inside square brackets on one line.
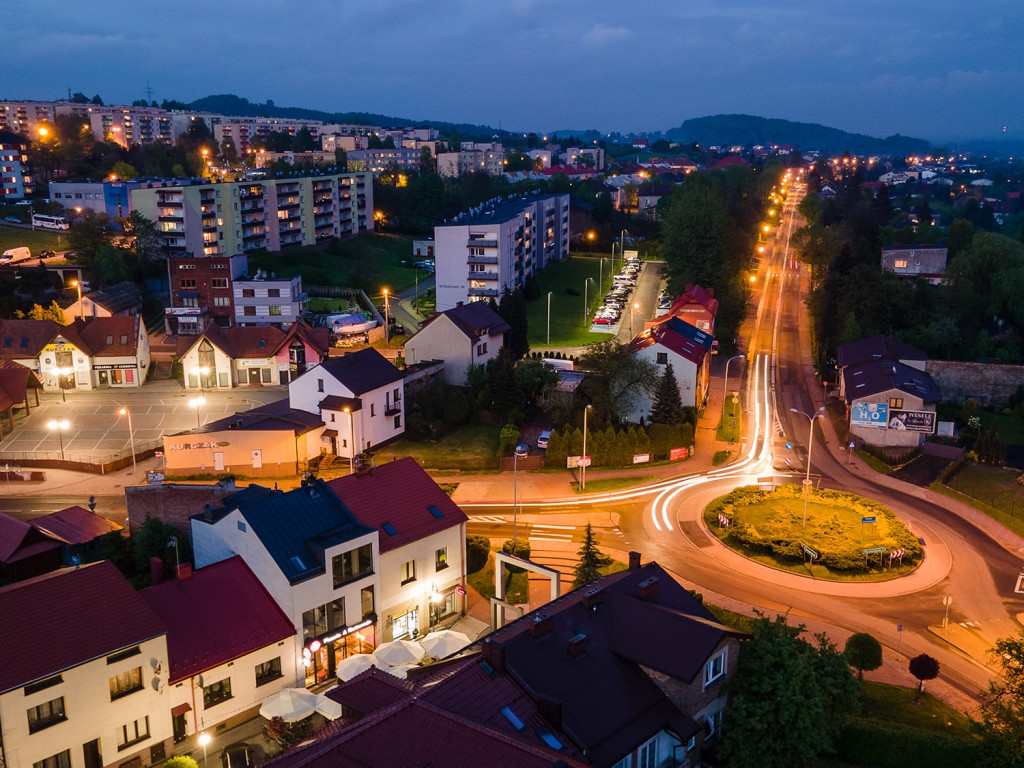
[(696, 306), (686, 348), (46, 543), (229, 645), (465, 335), (124, 298)]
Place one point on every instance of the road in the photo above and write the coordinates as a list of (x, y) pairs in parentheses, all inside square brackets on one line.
[(664, 523)]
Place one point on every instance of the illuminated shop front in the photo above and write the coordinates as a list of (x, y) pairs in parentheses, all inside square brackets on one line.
[(321, 656)]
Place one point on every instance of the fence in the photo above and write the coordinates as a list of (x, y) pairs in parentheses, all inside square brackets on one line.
[(98, 464)]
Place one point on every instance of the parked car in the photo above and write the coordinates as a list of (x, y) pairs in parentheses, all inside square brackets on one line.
[(543, 438), (46, 254), (237, 755), (522, 451), (12, 219), (602, 320)]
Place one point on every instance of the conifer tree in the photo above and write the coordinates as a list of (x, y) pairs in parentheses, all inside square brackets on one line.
[(667, 407), (591, 560)]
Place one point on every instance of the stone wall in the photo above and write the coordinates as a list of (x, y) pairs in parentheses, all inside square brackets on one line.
[(988, 383)]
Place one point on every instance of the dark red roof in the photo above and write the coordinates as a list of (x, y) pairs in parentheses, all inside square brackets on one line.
[(219, 613), (730, 160), (242, 341), (95, 331), (676, 335), (98, 613), (13, 384), (399, 495), (74, 525), (694, 294), (371, 691), (24, 338)]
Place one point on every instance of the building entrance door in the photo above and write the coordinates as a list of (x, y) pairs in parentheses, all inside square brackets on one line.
[(91, 750), (257, 458)]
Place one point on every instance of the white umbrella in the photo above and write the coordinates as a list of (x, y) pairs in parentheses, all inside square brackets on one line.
[(402, 672), (398, 652), (327, 707), (444, 642), (354, 665), (290, 705)]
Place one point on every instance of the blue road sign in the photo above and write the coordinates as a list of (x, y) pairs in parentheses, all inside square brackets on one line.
[(789, 446), (867, 519)]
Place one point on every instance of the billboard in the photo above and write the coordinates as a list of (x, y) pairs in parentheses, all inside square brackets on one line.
[(869, 415), (912, 421)]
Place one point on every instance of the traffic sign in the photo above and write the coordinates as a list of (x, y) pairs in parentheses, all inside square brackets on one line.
[(789, 446), (867, 519), (810, 552), (789, 462), (873, 551)]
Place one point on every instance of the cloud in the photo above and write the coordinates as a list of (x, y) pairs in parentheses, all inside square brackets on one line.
[(601, 35)]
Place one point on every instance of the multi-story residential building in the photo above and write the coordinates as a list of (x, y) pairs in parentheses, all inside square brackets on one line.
[(242, 130), (229, 218), (229, 645), (379, 160), (592, 156), (266, 300), (201, 291), (334, 141), (472, 158), (15, 171), (98, 694), (497, 245), (25, 117), (111, 196), (129, 125)]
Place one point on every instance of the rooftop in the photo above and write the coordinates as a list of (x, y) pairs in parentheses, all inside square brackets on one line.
[(360, 372), (876, 348), (866, 379), (677, 335)]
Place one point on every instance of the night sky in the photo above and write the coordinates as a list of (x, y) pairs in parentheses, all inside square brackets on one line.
[(938, 70)]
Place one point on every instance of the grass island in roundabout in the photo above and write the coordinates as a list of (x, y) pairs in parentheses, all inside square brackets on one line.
[(847, 537)]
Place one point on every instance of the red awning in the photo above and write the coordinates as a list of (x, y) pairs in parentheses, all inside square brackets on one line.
[(181, 709)]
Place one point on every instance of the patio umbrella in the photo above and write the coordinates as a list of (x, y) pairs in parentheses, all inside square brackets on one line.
[(291, 705), (402, 672), (444, 642), (329, 708), (354, 665), (398, 652)]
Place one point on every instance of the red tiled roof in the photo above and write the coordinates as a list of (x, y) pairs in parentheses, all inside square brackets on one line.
[(676, 335), (98, 611), (35, 333), (242, 341), (694, 294), (318, 338), (730, 160), (12, 533), (95, 331), (371, 691), (13, 383), (218, 614), (74, 525), (399, 493)]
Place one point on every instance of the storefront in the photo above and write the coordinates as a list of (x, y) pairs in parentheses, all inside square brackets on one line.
[(322, 655), (116, 375)]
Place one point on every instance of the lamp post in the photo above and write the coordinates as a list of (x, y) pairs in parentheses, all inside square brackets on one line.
[(200, 371), (131, 439), (583, 458), (622, 245), (586, 308), (197, 403), (204, 740), (387, 320), (60, 426), (725, 384), (810, 446), (81, 310), (60, 373), (515, 502), (633, 306), (600, 276), (549, 318), (351, 441)]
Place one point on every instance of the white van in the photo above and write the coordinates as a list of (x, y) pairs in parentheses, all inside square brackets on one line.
[(15, 255)]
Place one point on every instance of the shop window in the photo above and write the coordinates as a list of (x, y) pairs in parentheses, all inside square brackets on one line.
[(126, 683)]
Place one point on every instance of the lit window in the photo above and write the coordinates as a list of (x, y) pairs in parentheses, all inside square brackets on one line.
[(408, 572), (125, 683)]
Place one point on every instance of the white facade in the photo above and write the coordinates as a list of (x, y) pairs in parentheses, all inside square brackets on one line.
[(443, 340), (497, 246), (268, 301), (687, 377), (15, 175), (125, 726)]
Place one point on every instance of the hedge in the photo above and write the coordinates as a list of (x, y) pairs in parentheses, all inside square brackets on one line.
[(894, 745)]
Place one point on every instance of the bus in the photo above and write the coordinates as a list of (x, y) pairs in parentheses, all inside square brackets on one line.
[(49, 222)]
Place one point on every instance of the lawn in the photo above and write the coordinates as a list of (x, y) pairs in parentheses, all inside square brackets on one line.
[(1011, 429), (895, 704), (471, 447), (993, 490), (729, 425), (14, 237), (370, 261), (569, 323), (606, 484)]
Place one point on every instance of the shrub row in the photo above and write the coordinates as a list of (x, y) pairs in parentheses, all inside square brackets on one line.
[(894, 745)]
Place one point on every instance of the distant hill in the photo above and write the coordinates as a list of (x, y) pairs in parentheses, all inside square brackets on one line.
[(229, 104), (747, 130)]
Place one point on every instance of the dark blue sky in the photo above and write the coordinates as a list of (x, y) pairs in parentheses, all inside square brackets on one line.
[(937, 70)]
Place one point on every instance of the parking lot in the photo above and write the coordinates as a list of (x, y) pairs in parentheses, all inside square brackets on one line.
[(632, 300)]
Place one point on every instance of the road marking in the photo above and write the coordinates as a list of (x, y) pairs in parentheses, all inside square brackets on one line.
[(557, 527), (486, 519), (562, 539), (969, 624)]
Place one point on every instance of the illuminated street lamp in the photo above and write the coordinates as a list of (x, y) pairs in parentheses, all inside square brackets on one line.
[(60, 426), (583, 458), (820, 413), (636, 305), (204, 737), (200, 372), (197, 403), (81, 309), (586, 309), (387, 320), (131, 438)]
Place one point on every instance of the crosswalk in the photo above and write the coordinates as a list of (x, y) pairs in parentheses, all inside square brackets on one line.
[(496, 519), (541, 533), (556, 533)]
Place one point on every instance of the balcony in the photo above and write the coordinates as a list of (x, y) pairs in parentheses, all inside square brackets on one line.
[(482, 244), (392, 409), (485, 292), (482, 260), (169, 202), (483, 276)]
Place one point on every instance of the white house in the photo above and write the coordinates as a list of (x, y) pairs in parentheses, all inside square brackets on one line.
[(422, 537), (320, 564), (96, 353), (469, 334), (360, 398), (94, 692), (686, 348), (230, 645)]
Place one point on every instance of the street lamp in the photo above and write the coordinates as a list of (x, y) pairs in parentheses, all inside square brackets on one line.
[(81, 310), (810, 446), (586, 308), (200, 371), (549, 318), (60, 426), (351, 441), (583, 458), (204, 737), (197, 403), (131, 438), (725, 384), (387, 320), (60, 373), (515, 502)]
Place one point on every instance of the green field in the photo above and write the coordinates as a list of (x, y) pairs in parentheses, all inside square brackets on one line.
[(39, 240), (371, 262), (993, 490), (472, 447), (569, 323)]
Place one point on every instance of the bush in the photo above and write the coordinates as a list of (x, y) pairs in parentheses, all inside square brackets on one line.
[(478, 548), (521, 548), (894, 745)]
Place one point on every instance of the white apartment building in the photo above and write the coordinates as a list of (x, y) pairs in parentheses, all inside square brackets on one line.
[(241, 130), (25, 117), (497, 245), (472, 158), (265, 300), (95, 693), (15, 171)]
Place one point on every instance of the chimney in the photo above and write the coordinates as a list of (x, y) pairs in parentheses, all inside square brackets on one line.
[(541, 625), (648, 590), (156, 571), (593, 597), (184, 571), (551, 710), (493, 655), (634, 560), (577, 644)]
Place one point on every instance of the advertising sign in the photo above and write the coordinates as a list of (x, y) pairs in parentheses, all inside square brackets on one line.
[(154, 478), (641, 458), (675, 454), (869, 415), (912, 421), (632, 255), (576, 461)]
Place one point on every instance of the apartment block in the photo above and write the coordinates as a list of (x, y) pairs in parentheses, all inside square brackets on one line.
[(379, 160), (472, 158), (130, 125), (497, 245), (265, 300), (25, 117), (15, 172), (112, 197), (242, 130)]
